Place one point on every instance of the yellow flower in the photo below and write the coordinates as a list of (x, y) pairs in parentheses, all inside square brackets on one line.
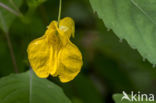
[(54, 54)]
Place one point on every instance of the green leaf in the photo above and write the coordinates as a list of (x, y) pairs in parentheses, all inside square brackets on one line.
[(7, 7), (133, 20), (27, 88), (117, 99)]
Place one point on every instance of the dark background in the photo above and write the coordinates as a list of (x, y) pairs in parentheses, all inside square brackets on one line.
[(110, 65)]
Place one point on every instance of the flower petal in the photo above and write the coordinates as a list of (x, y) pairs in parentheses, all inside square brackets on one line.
[(68, 26), (70, 62), (39, 56)]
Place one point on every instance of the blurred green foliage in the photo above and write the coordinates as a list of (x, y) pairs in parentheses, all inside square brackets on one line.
[(110, 65), (7, 17)]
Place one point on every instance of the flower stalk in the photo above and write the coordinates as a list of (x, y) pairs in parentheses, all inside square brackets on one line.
[(59, 14), (11, 52)]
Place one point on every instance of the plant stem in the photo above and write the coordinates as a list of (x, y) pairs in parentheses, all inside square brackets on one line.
[(17, 9), (59, 14), (11, 52), (7, 33), (9, 9)]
